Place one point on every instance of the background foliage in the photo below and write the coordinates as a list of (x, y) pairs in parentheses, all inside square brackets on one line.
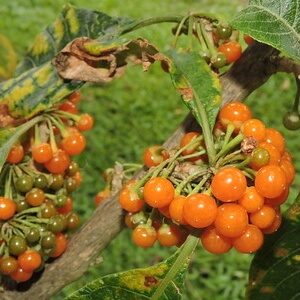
[(142, 109)]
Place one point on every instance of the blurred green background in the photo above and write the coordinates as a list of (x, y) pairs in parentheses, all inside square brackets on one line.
[(139, 110)]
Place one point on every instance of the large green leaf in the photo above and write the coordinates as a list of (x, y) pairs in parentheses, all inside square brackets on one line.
[(71, 23), (273, 22), (275, 269), (33, 91), (162, 281), (199, 86)]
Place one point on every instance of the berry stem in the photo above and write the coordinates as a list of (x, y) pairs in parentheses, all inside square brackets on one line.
[(183, 20), (229, 146), (189, 178), (52, 137), (198, 187), (195, 154), (206, 39), (297, 97), (8, 185)]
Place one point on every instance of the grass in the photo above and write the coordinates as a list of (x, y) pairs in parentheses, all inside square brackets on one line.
[(136, 111)]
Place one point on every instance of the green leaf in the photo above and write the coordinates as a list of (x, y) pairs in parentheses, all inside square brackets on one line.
[(273, 22), (33, 91), (161, 281), (199, 87), (275, 269), (71, 23), (8, 59), (9, 136)]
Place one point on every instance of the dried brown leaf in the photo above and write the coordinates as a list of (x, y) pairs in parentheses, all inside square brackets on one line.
[(75, 61)]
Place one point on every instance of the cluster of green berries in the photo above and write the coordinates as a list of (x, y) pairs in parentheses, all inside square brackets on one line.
[(37, 181)]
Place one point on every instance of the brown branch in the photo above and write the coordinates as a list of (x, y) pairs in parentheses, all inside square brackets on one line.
[(250, 72)]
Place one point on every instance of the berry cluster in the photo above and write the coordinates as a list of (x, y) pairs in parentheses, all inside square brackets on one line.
[(37, 181), (219, 43), (231, 201)]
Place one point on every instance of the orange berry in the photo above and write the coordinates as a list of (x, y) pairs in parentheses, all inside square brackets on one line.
[(270, 181), (231, 220), (250, 241), (144, 236), (254, 128), (158, 192), (264, 217), (176, 209), (199, 210), (274, 137), (251, 200), (235, 113), (214, 242), (228, 184)]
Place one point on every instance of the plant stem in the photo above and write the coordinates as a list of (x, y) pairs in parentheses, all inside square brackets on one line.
[(297, 97), (233, 143), (183, 258), (207, 134), (151, 21)]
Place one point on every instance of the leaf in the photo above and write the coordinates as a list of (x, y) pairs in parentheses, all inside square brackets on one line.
[(273, 22), (103, 60), (8, 58), (33, 91), (9, 136), (199, 87), (275, 269), (71, 23), (164, 280)]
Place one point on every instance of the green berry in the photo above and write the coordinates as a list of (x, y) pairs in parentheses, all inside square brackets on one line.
[(291, 120)]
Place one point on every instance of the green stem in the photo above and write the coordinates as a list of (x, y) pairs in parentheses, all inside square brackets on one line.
[(8, 185), (195, 154), (232, 144), (151, 21), (52, 137), (190, 32), (189, 178), (183, 258), (200, 184), (58, 123), (297, 97), (31, 210), (178, 31), (228, 134), (207, 134), (243, 163), (250, 173), (230, 158), (206, 39)]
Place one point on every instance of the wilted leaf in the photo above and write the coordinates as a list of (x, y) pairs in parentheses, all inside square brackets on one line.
[(90, 60), (71, 23), (273, 22), (8, 58), (275, 269), (199, 87), (162, 281)]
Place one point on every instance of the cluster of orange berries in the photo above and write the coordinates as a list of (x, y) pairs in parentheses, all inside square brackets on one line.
[(37, 181), (230, 202)]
